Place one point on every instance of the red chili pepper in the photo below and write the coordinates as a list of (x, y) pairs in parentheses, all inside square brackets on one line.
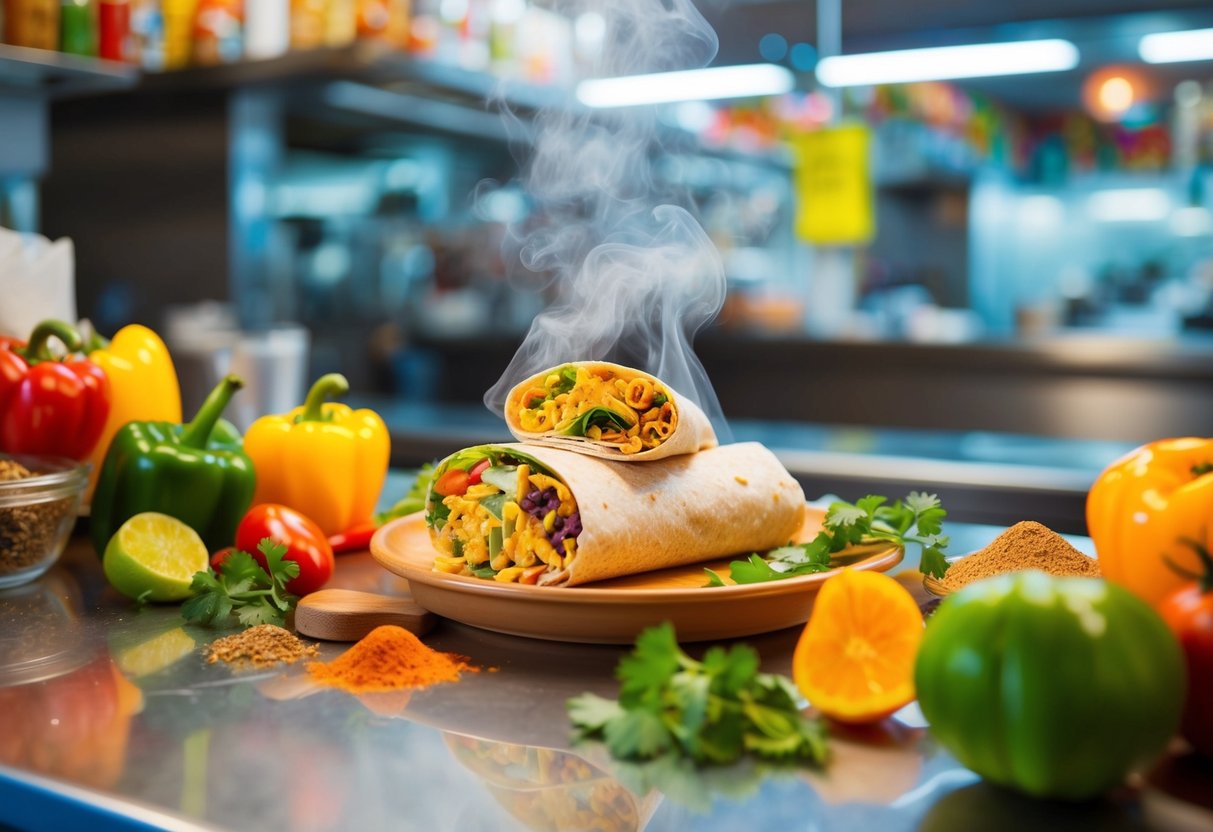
[(48, 406), (353, 540)]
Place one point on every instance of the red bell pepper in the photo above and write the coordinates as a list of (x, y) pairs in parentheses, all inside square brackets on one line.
[(47, 405)]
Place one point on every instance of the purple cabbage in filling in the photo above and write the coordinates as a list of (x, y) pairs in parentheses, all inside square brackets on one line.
[(539, 503)]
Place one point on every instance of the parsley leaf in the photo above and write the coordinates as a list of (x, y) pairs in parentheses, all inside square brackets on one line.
[(916, 519), (673, 707), (243, 587)]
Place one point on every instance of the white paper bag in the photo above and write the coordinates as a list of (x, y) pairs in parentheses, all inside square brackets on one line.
[(37, 281)]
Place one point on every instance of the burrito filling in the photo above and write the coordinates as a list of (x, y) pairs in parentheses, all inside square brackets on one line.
[(635, 414), (498, 516)]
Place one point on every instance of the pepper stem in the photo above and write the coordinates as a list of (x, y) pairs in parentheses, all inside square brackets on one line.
[(198, 432), (36, 351), (1205, 577), (330, 385)]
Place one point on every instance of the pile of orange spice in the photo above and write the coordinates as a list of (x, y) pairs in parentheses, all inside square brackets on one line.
[(1026, 545), (389, 658)]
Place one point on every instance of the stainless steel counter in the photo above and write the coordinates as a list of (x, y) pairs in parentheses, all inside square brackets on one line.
[(110, 718)]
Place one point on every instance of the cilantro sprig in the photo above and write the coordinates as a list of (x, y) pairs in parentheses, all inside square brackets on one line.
[(916, 519), (711, 711), (243, 588)]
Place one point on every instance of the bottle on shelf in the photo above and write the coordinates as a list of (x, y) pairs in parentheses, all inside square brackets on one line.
[(146, 44), (218, 32), (178, 17), (341, 22), (267, 28), (309, 18), (78, 27), (114, 30)]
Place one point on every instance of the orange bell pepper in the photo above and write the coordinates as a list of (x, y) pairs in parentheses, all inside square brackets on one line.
[(324, 460), (1144, 506)]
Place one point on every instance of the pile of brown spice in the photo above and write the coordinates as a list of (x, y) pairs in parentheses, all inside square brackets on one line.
[(262, 646), (1026, 545), (389, 658), (29, 533)]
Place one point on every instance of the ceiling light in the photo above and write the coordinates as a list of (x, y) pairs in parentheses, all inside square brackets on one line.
[(1192, 221), (1174, 47), (978, 60), (744, 81), (1129, 205)]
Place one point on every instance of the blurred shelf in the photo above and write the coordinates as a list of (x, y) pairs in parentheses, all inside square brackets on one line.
[(25, 71), (372, 64)]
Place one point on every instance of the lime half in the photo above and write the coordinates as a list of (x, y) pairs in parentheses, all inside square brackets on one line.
[(154, 556)]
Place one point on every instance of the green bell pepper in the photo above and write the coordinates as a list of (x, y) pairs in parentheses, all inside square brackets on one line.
[(196, 472), (1052, 686)]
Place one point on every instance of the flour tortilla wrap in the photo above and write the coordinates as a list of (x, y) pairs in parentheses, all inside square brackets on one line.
[(691, 430), (732, 499)]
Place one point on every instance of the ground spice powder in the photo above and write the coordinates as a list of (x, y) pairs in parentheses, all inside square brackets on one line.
[(1026, 545), (262, 646), (389, 658)]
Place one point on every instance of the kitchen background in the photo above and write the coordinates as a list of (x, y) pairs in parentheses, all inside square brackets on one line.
[(325, 185)]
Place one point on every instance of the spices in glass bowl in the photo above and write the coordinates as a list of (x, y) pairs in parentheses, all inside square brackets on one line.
[(262, 646), (1026, 545), (29, 533)]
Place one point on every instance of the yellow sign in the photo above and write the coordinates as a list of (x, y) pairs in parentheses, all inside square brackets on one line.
[(834, 186)]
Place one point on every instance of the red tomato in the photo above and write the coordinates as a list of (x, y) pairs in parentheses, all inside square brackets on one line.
[(453, 481), (305, 543), (478, 469), (219, 557), (1189, 614)]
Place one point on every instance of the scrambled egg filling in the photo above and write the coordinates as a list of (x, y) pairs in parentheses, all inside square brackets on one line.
[(556, 406), (523, 550)]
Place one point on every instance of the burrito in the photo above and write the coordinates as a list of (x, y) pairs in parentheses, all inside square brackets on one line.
[(536, 515), (608, 411)]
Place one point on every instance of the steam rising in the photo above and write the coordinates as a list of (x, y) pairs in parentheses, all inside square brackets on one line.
[(635, 275)]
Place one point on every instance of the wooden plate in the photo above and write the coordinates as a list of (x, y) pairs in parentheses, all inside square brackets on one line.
[(614, 611)]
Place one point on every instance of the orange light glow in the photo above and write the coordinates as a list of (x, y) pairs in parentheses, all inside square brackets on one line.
[(1115, 95)]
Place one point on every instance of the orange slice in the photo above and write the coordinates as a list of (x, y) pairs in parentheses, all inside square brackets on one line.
[(855, 659)]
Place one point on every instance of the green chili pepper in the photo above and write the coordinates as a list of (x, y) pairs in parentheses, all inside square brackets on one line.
[(196, 472)]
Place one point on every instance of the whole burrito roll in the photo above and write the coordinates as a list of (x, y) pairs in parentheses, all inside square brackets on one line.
[(606, 410), (538, 515)]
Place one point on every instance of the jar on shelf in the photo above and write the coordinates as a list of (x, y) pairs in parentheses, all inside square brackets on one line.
[(32, 23)]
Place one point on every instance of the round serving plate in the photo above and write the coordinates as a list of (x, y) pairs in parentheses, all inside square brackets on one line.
[(614, 611)]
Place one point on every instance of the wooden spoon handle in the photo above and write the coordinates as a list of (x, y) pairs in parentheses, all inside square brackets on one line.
[(348, 615)]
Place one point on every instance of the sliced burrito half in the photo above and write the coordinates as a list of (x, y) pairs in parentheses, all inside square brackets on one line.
[(538, 515), (606, 410)]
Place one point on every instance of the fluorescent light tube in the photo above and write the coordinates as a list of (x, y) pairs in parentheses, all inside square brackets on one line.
[(743, 81), (979, 60), (1174, 47), (1129, 205)]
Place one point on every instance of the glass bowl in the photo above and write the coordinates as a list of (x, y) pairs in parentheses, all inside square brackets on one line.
[(37, 515)]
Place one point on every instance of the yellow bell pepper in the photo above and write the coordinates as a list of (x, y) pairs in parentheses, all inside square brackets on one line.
[(143, 384), (323, 459), (1143, 508)]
